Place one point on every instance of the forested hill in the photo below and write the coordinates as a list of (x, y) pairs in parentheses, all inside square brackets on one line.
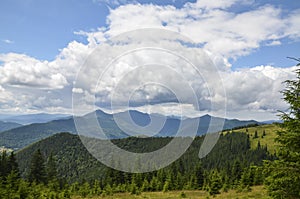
[(74, 163), (22, 136)]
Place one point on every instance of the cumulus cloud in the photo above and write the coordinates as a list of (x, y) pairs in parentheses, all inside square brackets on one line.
[(22, 70), (257, 88), (208, 25), (5, 96)]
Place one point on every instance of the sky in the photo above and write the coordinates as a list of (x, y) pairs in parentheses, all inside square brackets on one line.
[(44, 46)]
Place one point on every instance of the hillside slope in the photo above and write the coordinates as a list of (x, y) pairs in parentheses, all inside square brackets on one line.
[(5, 126), (266, 135), (25, 135), (76, 164)]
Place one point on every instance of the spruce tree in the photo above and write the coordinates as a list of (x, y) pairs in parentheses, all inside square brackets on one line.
[(215, 183), (12, 164), (255, 135), (264, 133), (199, 175), (4, 165), (236, 171), (284, 174), (37, 172), (51, 168)]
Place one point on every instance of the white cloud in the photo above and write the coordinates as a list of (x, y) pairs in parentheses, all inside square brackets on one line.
[(208, 22), (22, 70), (220, 4), (293, 24), (274, 43), (7, 41), (5, 96), (31, 84), (257, 88), (77, 90)]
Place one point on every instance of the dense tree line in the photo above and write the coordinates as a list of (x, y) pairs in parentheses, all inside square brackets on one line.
[(42, 181), (230, 165)]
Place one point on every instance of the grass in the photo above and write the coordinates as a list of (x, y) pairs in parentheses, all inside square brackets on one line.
[(257, 192), (268, 140)]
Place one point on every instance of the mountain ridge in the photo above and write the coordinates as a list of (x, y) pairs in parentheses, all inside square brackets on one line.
[(5, 126), (22, 136), (33, 118)]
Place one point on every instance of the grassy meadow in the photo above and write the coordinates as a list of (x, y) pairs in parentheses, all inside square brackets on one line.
[(256, 192), (267, 140)]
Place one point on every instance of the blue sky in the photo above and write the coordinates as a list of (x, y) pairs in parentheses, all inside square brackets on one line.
[(41, 28), (42, 44)]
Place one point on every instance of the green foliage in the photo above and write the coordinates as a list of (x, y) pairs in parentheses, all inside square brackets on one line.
[(37, 171), (284, 174), (107, 190), (255, 135), (199, 176), (84, 189), (264, 133), (8, 165), (215, 183), (268, 140), (51, 168), (166, 186), (282, 180), (223, 168)]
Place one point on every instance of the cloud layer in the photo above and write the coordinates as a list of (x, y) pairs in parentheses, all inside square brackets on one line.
[(29, 84)]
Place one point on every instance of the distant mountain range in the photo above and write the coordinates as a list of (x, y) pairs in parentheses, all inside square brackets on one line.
[(4, 126), (272, 121), (32, 118), (22, 136)]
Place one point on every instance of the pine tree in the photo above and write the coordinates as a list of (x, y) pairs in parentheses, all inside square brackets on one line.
[(247, 177), (145, 185), (255, 135), (12, 185), (264, 133), (96, 189), (166, 186), (258, 177), (84, 189), (258, 145), (236, 171), (215, 183), (37, 171), (134, 188), (12, 163), (51, 168), (4, 165), (284, 174), (199, 175)]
